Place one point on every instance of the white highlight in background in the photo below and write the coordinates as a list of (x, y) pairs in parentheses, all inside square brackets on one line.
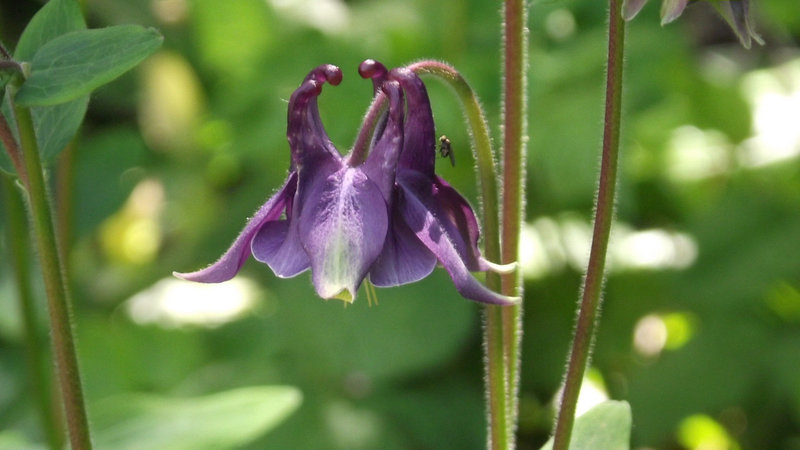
[(550, 244), (172, 302), (775, 98)]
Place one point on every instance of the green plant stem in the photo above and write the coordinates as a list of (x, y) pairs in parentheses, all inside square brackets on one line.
[(14, 153), (497, 363), (515, 63), (501, 432), (497, 344), (39, 377), (481, 145), (604, 212), (58, 303)]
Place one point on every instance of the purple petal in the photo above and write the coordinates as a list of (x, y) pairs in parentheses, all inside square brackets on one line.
[(671, 10), (458, 217), (630, 8), (455, 211), (374, 70), (307, 137), (233, 259), (419, 142), (452, 211), (737, 14), (374, 121), (404, 259), (381, 163), (433, 235), (343, 229), (277, 244)]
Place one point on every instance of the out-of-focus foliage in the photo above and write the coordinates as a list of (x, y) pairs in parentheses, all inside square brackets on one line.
[(606, 426), (700, 330)]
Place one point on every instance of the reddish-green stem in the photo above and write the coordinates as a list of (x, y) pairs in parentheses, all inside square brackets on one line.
[(40, 380), (55, 282), (14, 153), (604, 212), (515, 63), (500, 345), (498, 387)]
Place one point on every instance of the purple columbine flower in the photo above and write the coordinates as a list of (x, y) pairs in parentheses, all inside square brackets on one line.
[(388, 217)]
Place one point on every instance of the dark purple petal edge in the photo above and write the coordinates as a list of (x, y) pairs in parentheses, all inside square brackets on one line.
[(232, 260)]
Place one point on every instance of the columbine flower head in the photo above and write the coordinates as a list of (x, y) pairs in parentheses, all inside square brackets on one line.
[(387, 216), (735, 12)]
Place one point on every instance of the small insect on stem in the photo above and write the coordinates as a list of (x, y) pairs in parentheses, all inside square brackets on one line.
[(446, 149)]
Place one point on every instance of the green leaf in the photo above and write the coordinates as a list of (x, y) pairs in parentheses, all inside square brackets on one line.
[(12, 439), (606, 426), (223, 420), (56, 125), (76, 63), (55, 18)]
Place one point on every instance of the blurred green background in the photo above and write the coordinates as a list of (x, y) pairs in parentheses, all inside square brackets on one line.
[(700, 328)]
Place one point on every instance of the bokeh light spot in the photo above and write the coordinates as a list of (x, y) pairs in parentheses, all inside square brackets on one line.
[(775, 98), (560, 24), (172, 302), (784, 301), (133, 234), (650, 335), (655, 333), (700, 432)]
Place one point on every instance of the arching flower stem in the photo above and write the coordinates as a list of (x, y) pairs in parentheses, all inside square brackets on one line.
[(500, 386)]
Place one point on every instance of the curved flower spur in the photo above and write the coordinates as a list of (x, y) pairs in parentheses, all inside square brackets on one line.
[(389, 217)]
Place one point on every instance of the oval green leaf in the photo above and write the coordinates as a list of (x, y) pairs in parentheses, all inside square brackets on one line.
[(76, 63), (55, 18), (227, 419), (606, 426), (54, 125)]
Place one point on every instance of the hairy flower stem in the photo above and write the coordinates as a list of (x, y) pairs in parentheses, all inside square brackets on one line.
[(497, 362), (500, 334), (55, 281), (14, 153), (604, 212), (39, 377), (482, 150), (515, 120)]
